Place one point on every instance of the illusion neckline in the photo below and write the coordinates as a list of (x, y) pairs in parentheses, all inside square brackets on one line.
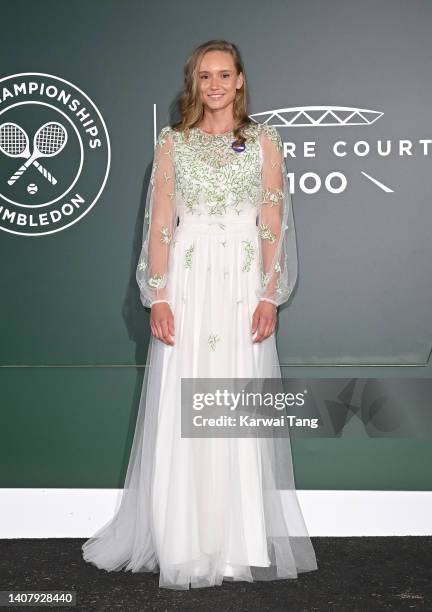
[(215, 135)]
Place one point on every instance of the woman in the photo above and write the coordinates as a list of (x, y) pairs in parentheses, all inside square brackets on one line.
[(201, 510)]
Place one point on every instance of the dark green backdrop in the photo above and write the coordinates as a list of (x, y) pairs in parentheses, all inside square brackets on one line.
[(73, 331)]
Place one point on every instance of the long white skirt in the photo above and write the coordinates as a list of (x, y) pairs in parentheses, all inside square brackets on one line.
[(203, 510)]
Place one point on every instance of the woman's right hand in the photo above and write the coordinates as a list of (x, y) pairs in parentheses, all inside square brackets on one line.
[(162, 322)]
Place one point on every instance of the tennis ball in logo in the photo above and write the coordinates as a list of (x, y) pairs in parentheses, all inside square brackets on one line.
[(32, 188)]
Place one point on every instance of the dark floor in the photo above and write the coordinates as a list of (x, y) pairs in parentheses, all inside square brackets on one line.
[(363, 574)]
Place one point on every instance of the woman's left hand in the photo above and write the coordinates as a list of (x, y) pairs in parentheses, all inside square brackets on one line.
[(264, 320)]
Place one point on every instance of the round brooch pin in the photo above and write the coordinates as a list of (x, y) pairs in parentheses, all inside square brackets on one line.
[(238, 148)]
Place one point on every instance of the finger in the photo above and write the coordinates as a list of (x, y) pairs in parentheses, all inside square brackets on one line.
[(165, 333), (256, 328), (268, 331), (171, 326), (163, 329), (158, 330), (255, 319), (270, 326), (261, 329)]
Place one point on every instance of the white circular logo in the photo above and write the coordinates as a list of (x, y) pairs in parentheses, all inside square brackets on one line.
[(55, 154)]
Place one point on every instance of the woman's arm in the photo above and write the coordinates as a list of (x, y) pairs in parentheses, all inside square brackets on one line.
[(278, 249), (159, 224)]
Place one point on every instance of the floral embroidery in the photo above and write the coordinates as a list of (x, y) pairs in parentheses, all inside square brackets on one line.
[(165, 235), (160, 143), (282, 286), (142, 264), (157, 281), (272, 196), (153, 173), (211, 176), (273, 134), (161, 139), (188, 256), (212, 339), (265, 277), (219, 208), (249, 255), (266, 233), (279, 288), (205, 176)]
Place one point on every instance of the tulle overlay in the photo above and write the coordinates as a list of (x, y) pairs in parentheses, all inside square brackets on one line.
[(203, 510)]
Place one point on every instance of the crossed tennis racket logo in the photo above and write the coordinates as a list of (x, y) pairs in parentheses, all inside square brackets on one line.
[(49, 140)]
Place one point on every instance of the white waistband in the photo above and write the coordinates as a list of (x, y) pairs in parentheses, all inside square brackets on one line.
[(216, 225)]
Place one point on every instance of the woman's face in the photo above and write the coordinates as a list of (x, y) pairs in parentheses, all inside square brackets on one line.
[(218, 80)]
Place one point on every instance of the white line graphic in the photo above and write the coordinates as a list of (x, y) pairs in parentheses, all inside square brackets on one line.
[(378, 183), (319, 116), (48, 141), (14, 142)]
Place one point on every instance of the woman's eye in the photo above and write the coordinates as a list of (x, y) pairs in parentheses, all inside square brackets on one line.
[(205, 76)]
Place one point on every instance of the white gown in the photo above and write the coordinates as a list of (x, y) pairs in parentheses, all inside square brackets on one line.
[(203, 510)]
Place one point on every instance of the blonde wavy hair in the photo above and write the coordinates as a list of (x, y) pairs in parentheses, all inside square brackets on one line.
[(190, 104)]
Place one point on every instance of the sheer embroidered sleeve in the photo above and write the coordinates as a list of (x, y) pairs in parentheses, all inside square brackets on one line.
[(159, 223), (278, 249)]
